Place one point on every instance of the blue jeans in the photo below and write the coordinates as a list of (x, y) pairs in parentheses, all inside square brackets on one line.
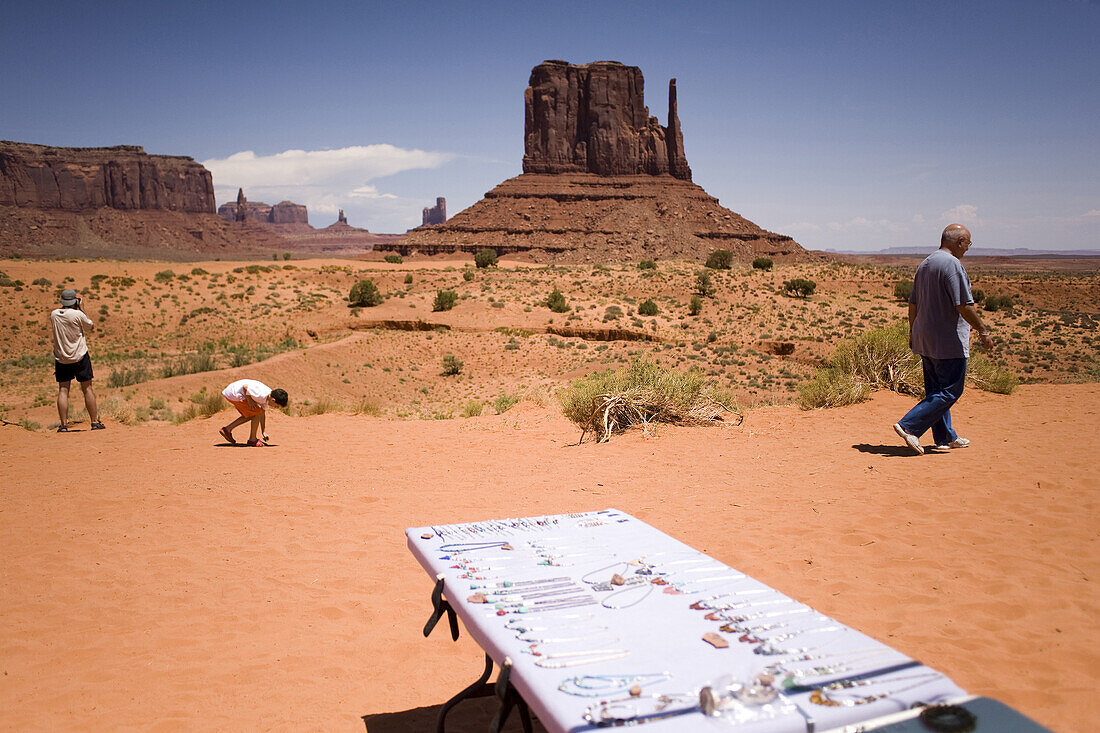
[(943, 386)]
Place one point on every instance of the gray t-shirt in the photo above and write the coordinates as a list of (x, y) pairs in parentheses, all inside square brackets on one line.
[(941, 284)]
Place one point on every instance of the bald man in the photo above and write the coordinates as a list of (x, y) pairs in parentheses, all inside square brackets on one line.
[(941, 314)]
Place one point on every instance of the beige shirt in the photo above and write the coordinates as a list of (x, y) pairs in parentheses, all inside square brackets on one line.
[(67, 329)]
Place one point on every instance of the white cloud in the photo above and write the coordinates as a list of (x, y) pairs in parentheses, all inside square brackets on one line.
[(326, 181), (1092, 213), (962, 214)]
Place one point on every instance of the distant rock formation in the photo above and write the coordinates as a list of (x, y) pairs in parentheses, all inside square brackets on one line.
[(341, 219), (435, 214), (602, 181), (241, 214), (593, 119), (120, 177), (284, 212)]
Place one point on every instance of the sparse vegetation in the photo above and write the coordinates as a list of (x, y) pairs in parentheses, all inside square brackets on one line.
[(647, 265), (556, 302), (799, 287), (704, 284), (393, 258), (695, 305), (365, 294), (720, 259), (762, 263), (998, 302), (644, 393), (485, 258), (452, 365), (902, 290), (444, 300), (647, 308)]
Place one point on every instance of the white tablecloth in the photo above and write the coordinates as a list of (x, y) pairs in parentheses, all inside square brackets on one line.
[(654, 625)]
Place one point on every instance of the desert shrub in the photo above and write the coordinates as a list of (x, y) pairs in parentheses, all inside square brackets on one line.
[(394, 259), (41, 281), (409, 279), (444, 300), (762, 263), (720, 259), (978, 295), (612, 313), (986, 374), (831, 387), (198, 271), (452, 365), (903, 289), (164, 276), (124, 377), (189, 364), (799, 287), (647, 308), (275, 256), (203, 404), (997, 302), (485, 258), (504, 402), (468, 274), (319, 406), (286, 256), (473, 408), (367, 406), (643, 393), (118, 410), (695, 305), (647, 265), (881, 358), (704, 284), (557, 302), (365, 294)]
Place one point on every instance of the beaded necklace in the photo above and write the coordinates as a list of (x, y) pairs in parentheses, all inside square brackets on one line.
[(599, 685)]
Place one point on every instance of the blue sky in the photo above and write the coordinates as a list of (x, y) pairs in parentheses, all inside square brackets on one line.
[(848, 125)]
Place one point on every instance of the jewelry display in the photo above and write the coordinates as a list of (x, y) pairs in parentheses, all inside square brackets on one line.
[(636, 593), (576, 659), (739, 702), (638, 710), (599, 685), (824, 695)]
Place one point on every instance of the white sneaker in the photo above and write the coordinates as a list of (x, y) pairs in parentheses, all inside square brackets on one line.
[(910, 440), (956, 443)]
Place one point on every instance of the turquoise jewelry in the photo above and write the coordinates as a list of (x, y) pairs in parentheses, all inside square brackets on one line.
[(599, 685)]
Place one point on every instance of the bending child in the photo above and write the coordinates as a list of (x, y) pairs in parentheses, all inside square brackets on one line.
[(251, 399)]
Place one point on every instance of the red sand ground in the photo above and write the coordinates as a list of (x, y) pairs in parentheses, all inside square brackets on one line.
[(152, 579)]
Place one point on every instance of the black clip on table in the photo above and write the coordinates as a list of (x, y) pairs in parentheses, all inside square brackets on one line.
[(503, 688)]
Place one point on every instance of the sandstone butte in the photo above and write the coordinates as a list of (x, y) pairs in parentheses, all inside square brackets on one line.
[(123, 202), (602, 180)]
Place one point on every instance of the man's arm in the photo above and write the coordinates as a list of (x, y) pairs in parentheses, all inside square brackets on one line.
[(912, 317), (263, 425), (970, 315)]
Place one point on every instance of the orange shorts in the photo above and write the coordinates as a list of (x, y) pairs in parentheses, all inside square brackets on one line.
[(246, 409)]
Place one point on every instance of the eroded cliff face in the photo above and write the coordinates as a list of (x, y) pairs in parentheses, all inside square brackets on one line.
[(592, 118), (122, 177)]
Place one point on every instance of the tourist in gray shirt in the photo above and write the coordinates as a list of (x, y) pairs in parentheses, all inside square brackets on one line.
[(941, 314)]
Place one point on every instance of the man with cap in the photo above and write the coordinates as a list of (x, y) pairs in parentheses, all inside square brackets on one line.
[(70, 353)]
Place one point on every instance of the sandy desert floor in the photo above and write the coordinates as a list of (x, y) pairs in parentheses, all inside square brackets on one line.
[(153, 579)]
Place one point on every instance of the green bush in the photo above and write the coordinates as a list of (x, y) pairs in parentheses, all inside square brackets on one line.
[(394, 258), (557, 302), (647, 265), (468, 274), (409, 279), (189, 364), (485, 258), (504, 402), (164, 276), (444, 300), (720, 259), (978, 295), (762, 263), (202, 404), (647, 308), (612, 313), (473, 408), (451, 365), (365, 294), (286, 256), (125, 377), (704, 284), (198, 272), (799, 287), (998, 302), (645, 392), (41, 281), (903, 289), (695, 305)]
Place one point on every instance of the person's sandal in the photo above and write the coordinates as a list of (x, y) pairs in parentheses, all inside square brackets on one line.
[(62, 428), (224, 432), (97, 425), (257, 443)]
